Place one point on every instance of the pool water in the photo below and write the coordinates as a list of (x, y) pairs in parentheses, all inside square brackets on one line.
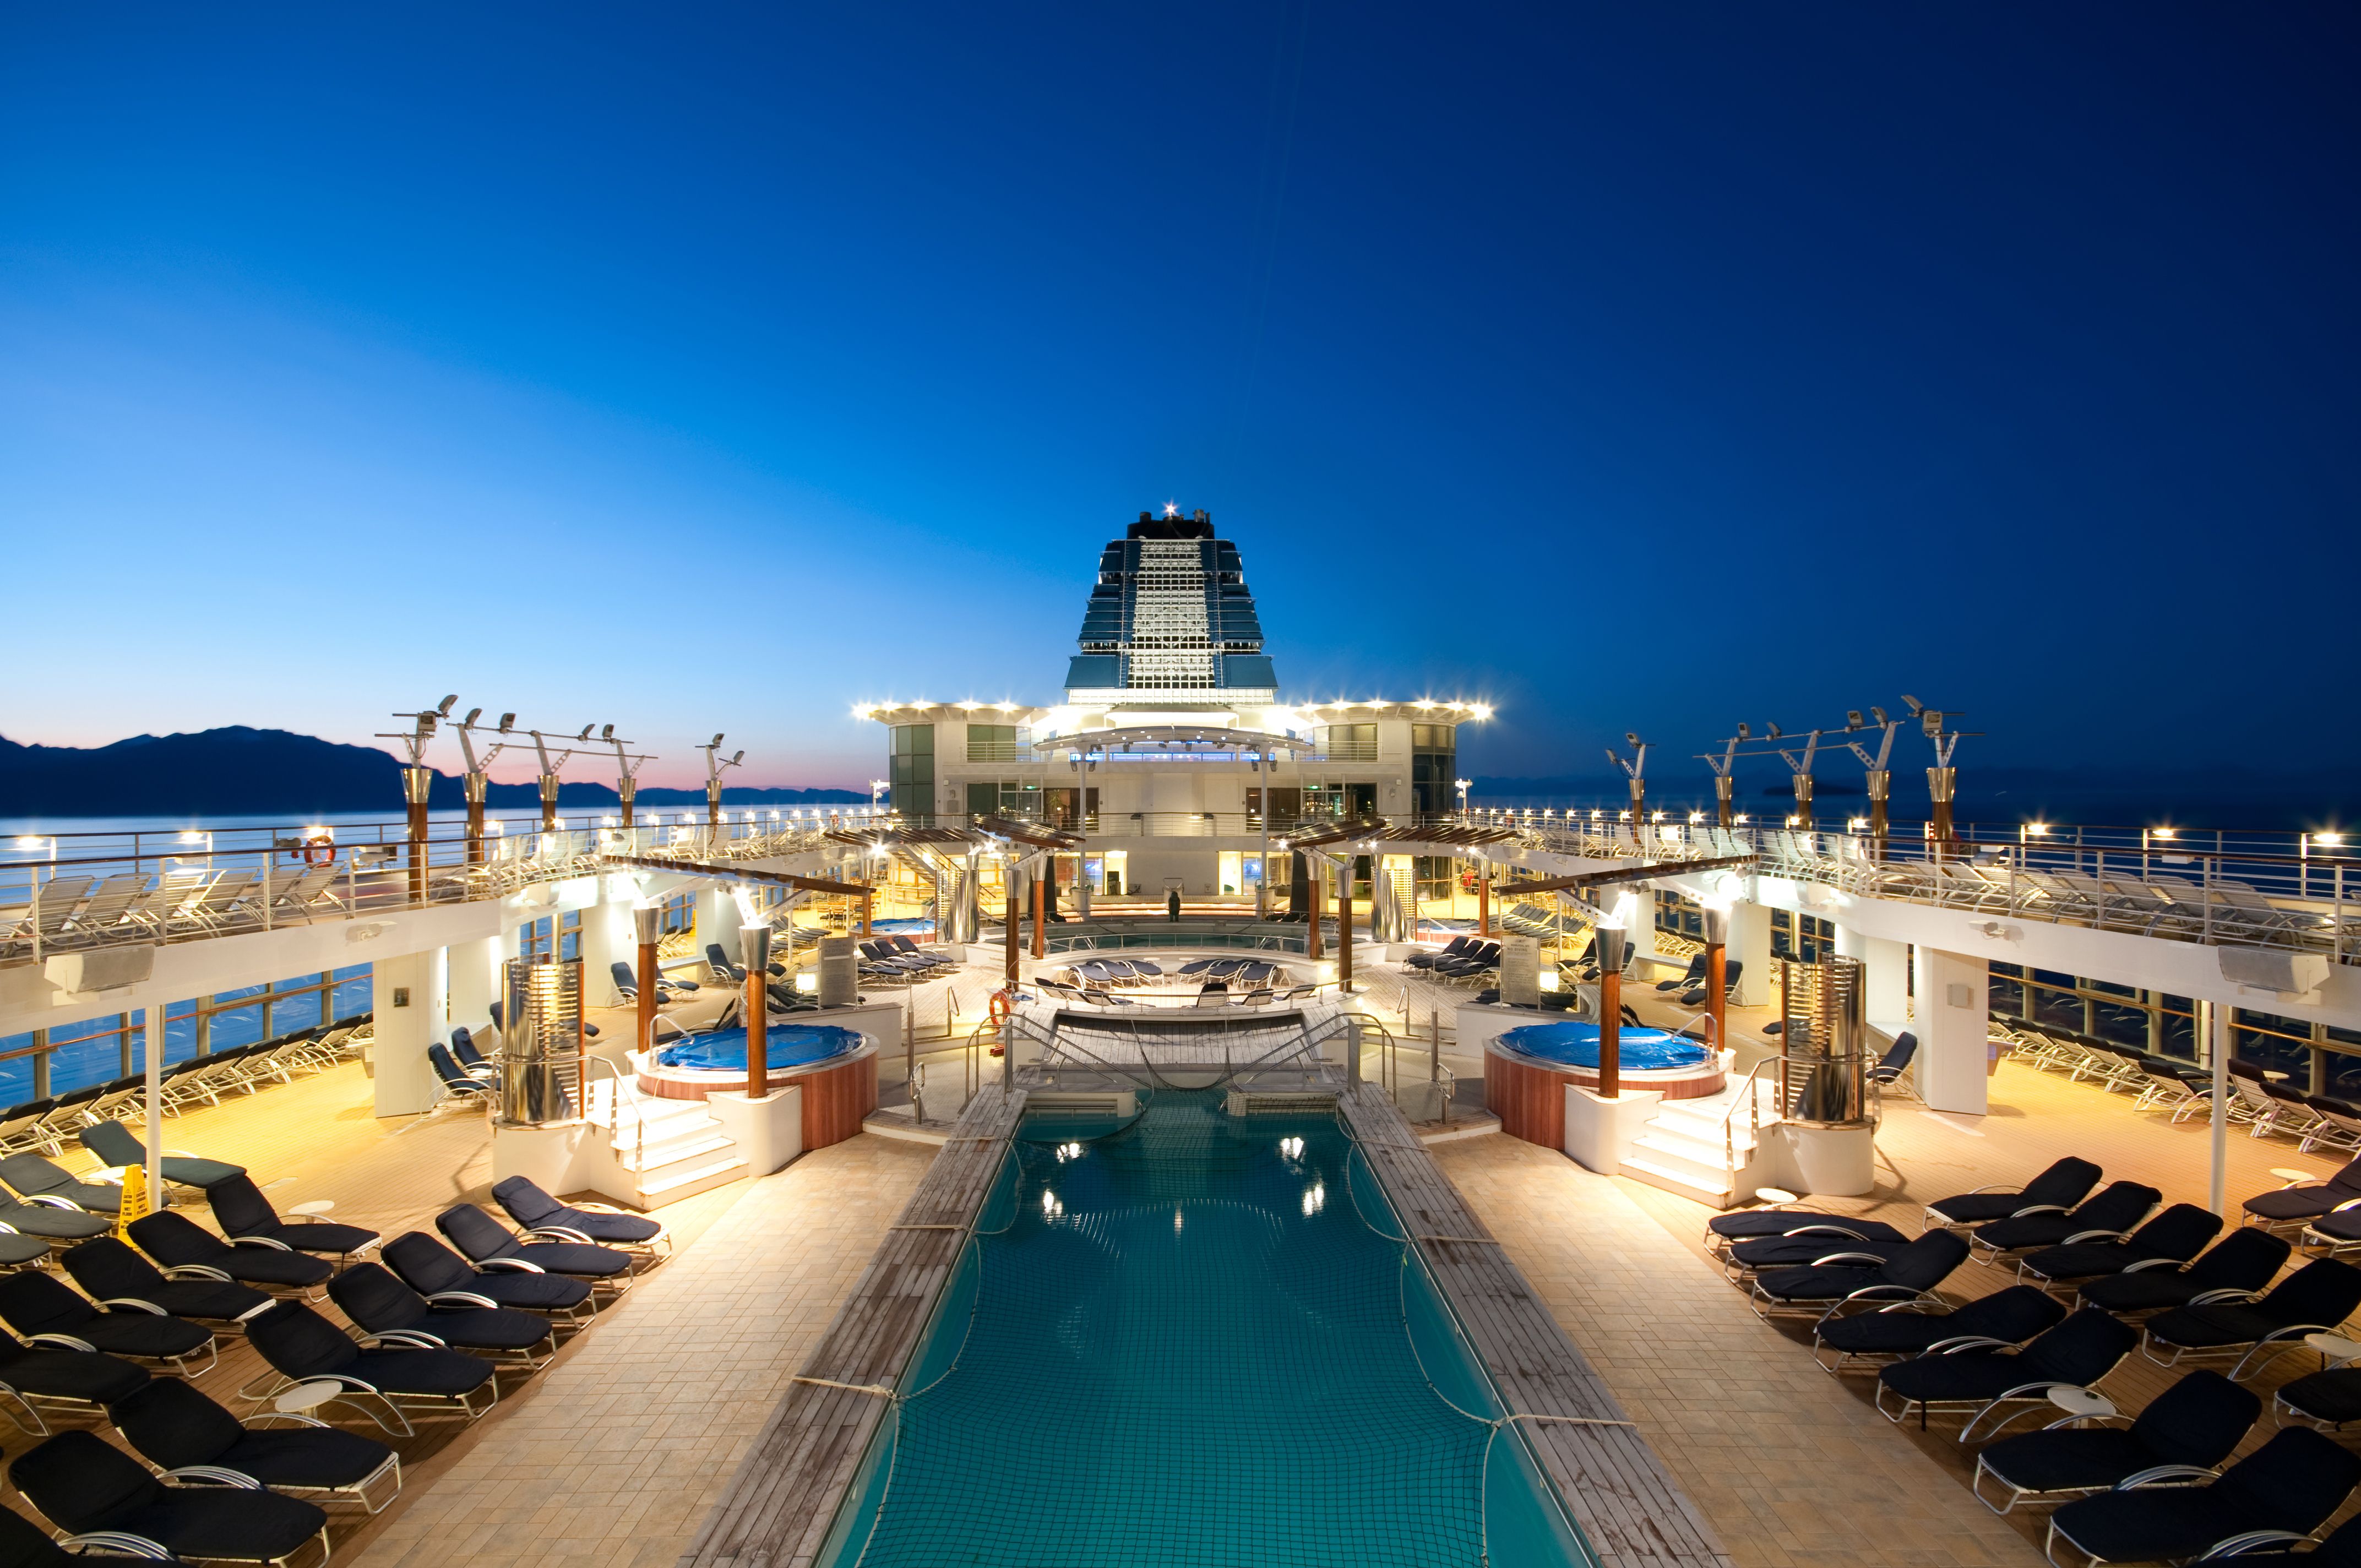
[(1573, 1044), (1187, 1341), (784, 1045)]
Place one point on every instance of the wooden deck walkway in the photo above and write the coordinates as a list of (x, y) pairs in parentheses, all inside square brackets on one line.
[(776, 1510), (1628, 1507)]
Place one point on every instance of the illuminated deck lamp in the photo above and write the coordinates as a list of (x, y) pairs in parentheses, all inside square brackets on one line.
[(417, 782), (1942, 779), (1880, 780), (1799, 769), (548, 777), (627, 770), (1614, 950), (475, 780), (1725, 780), (1635, 774), (754, 954), (714, 768), (1716, 905)]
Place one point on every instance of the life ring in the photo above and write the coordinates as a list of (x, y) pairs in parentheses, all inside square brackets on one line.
[(998, 1009), (321, 851)]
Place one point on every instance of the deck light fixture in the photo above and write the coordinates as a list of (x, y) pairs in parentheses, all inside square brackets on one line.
[(1943, 778), (1880, 779)]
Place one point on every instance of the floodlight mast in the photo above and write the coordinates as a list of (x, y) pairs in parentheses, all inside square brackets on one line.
[(1942, 779), (476, 779), (1880, 781), (1635, 770), (715, 764), (548, 778), (417, 783), (1723, 781), (627, 770)]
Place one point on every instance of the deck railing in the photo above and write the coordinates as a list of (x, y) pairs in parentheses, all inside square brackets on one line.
[(96, 890), (2281, 890)]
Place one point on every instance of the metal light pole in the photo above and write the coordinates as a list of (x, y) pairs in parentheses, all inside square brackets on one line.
[(1610, 1010), (627, 768), (476, 779), (714, 768), (548, 775), (754, 952), (648, 925), (1800, 770), (1942, 779), (417, 783), (1724, 780), (1635, 771), (1881, 782)]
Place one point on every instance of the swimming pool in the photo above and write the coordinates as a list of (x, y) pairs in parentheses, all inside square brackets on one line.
[(1193, 1339), (1576, 1044), (784, 1045)]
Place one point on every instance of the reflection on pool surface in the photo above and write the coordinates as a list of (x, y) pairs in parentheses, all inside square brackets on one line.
[(1193, 1339), (785, 1044), (1573, 1044)]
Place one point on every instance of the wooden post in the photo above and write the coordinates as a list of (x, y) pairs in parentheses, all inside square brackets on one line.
[(1484, 901), (1008, 976), (415, 783), (649, 923), (1312, 872), (1345, 928), (1040, 915), (754, 951), (869, 913), (1611, 1011), (1717, 1005)]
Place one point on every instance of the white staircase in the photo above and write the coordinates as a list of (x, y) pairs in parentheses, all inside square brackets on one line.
[(665, 1150), (1705, 1149)]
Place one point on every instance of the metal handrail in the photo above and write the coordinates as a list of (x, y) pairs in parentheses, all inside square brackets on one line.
[(623, 1086), (1754, 1111)]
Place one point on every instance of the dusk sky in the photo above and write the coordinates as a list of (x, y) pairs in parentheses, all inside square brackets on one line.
[(1650, 367)]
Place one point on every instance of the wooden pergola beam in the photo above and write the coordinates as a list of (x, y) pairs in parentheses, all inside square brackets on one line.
[(1627, 873)]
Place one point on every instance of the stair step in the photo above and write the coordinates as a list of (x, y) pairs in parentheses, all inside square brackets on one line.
[(1710, 1168), (663, 1155), (1696, 1151), (1687, 1186), (1705, 1129), (674, 1186)]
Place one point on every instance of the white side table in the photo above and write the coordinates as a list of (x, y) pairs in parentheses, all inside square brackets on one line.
[(314, 1208), (2335, 1348), (307, 1396), (2082, 1403), (2289, 1173), (1774, 1196)]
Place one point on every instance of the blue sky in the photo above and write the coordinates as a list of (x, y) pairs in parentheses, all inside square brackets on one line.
[(1629, 368)]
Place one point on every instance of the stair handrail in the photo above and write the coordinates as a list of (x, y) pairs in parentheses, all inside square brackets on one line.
[(1753, 1113), (625, 1087)]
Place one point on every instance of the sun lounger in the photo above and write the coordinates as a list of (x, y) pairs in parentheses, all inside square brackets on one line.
[(247, 1219), (453, 1085), (1978, 1380), (2281, 1492), (302, 1346), (488, 1244), (2010, 1316), (82, 1381), (2183, 1434), (46, 1313), (88, 1488), (394, 1315), (2237, 1267), (2173, 1237), (445, 1278), (2289, 1207), (2108, 1216), (544, 1218), (2059, 1187), (115, 1145), (178, 1244), (38, 1180), (115, 1275), (1815, 1289), (2315, 1299), (192, 1439)]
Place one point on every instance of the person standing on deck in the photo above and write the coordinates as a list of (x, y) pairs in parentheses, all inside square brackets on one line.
[(1172, 903)]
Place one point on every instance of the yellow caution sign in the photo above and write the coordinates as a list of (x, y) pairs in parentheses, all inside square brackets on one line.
[(134, 1198)]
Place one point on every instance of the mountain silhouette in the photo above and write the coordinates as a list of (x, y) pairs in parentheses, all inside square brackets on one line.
[(242, 771)]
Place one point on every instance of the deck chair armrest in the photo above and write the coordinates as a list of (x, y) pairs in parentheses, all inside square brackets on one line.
[(212, 1476), (559, 1233), (2096, 1236), (1823, 1230), (10, 1230), (50, 1200), (2165, 1475), (264, 1242), (2348, 1204), (1888, 1293), (459, 1298), (2295, 1181), (121, 1541), (590, 1206), (512, 1266), (255, 1423), (1868, 1257), (408, 1339), (2229, 1546), (1997, 1186), (2146, 1264), (2039, 1209), (198, 1271), (59, 1341), (1957, 1343), (2297, 1331), (183, 1154), (2213, 1298), (132, 1304)]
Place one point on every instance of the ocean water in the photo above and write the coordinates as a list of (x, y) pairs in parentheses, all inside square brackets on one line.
[(1193, 1340)]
